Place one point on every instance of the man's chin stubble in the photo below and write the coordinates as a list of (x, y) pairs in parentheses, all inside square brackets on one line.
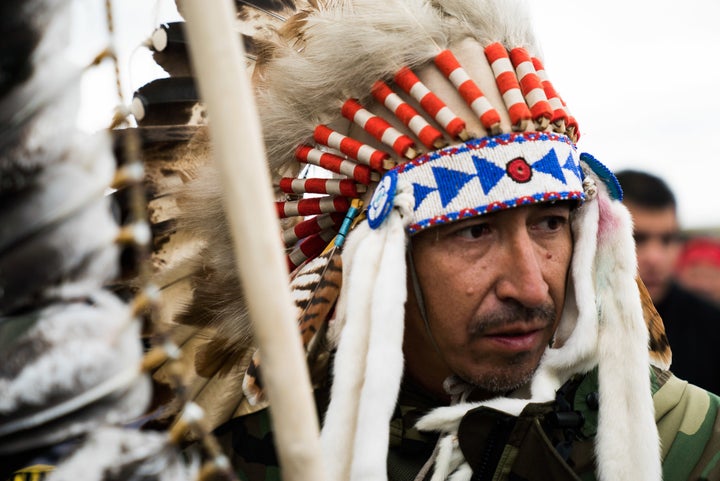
[(513, 377)]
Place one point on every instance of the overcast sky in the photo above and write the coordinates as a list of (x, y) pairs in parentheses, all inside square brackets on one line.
[(640, 76)]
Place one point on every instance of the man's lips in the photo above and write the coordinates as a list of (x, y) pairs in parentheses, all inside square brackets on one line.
[(516, 338), (514, 329)]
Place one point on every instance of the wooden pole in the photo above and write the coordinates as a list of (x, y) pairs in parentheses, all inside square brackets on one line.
[(218, 60)]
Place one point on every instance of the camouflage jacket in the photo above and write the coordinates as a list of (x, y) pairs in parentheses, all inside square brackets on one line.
[(547, 441)]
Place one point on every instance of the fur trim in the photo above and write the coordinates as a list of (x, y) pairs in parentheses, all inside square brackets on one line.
[(341, 418), (627, 444), (369, 361), (575, 344), (384, 364)]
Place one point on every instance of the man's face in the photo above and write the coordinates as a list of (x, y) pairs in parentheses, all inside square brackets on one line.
[(657, 244), (493, 288)]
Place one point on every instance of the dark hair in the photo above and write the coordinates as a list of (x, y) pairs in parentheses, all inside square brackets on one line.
[(645, 190)]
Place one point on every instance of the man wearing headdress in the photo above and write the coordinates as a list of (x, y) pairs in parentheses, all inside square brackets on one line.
[(489, 323)]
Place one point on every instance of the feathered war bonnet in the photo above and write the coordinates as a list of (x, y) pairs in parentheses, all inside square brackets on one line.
[(449, 102)]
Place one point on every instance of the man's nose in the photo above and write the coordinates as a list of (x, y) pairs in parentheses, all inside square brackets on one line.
[(521, 276)]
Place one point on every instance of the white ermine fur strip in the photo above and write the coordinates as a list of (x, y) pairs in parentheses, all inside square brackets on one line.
[(338, 433), (384, 364), (627, 443)]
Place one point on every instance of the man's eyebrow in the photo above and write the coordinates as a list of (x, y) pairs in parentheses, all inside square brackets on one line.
[(554, 205)]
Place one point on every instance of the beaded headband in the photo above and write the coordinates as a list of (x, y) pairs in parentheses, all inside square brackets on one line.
[(454, 174), (481, 176)]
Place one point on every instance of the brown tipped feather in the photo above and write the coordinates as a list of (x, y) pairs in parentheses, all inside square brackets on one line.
[(210, 313), (660, 352)]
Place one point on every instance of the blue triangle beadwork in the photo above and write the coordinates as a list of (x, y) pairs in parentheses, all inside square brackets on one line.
[(549, 164), (544, 169), (450, 182), (572, 167), (488, 173), (420, 192)]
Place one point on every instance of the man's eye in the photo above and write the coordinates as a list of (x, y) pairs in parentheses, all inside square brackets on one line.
[(669, 239), (665, 239), (554, 222), (474, 231), (640, 238)]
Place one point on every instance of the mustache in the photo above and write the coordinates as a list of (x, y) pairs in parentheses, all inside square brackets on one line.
[(511, 313)]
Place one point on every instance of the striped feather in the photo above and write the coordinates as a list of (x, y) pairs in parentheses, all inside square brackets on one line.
[(315, 288)]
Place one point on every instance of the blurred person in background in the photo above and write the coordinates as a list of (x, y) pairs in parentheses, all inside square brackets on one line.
[(698, 267), (691, 322)]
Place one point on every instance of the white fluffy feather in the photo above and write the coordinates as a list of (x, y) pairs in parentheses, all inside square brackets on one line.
[(115, 453), (344, 54)]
